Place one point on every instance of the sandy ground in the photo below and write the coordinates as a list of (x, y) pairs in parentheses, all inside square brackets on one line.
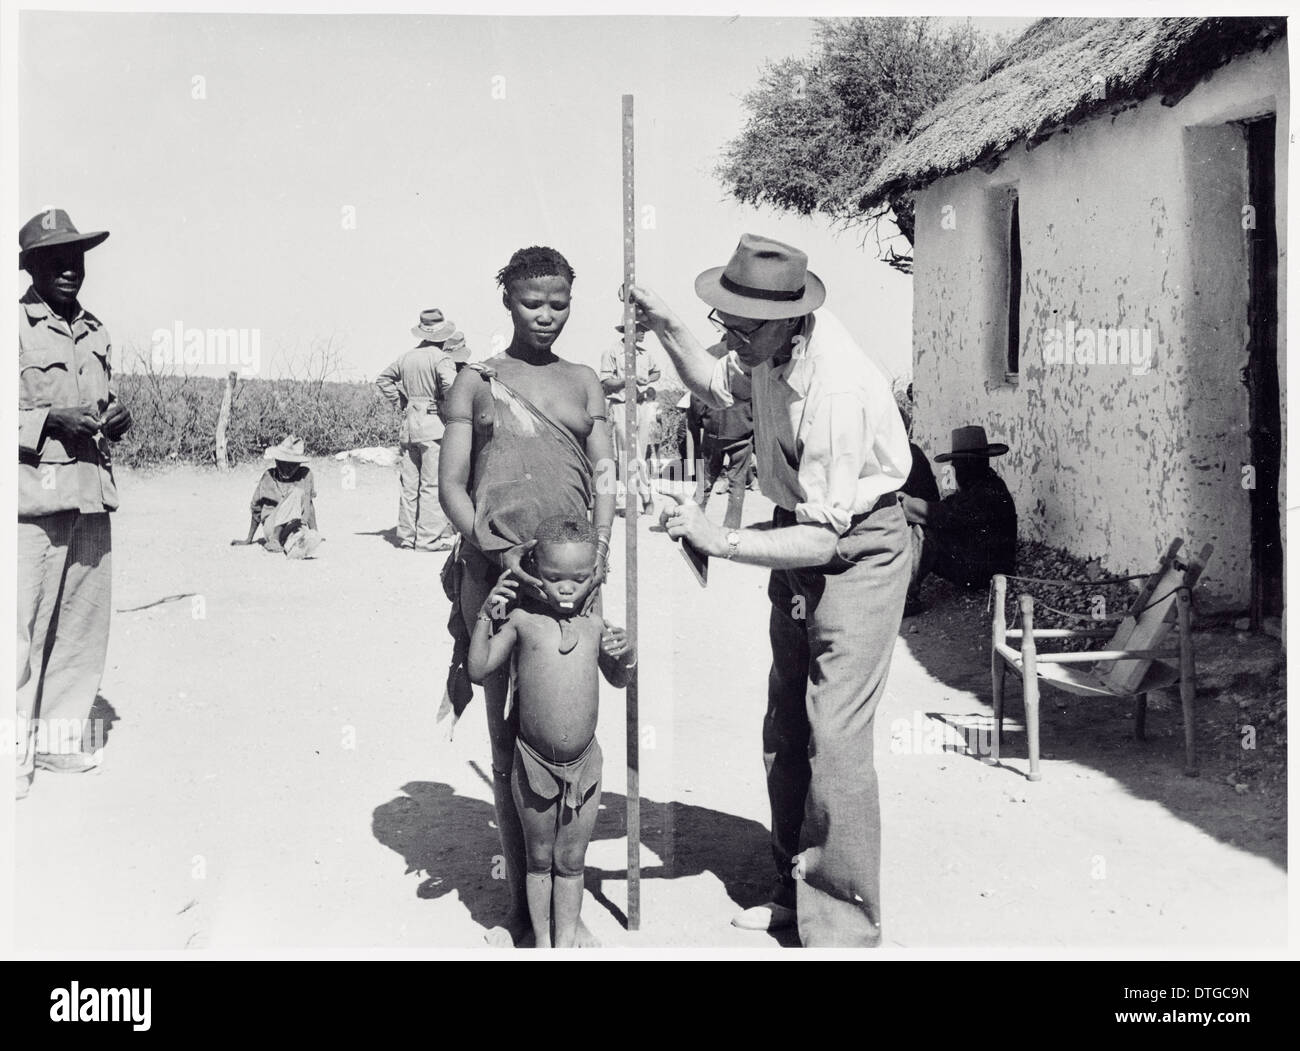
[(274, 778)]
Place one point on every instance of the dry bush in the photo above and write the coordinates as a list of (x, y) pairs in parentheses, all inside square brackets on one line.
[(668, 433), (176, 415)]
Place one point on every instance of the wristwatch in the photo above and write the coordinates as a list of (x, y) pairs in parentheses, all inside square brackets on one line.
[(733, 543)]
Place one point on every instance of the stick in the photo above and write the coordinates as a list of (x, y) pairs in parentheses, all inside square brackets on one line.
[(631, 453), (223, 420)]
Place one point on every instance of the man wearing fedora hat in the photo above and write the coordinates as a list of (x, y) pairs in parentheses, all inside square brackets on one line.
[(832, 453), (417, 383), (68, 413), (970, 535)]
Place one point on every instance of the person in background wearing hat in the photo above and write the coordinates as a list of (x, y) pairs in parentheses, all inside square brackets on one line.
[(457, 352), (284, 502), (970, 535), (417, 383), (68, 412), (832, 454), (613, 382)]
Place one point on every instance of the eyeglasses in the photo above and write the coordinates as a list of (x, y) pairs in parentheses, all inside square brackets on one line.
[(722, 326)]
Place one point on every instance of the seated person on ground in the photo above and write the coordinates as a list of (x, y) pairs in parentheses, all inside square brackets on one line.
[(283, 503), (971, 534), (557, 639)]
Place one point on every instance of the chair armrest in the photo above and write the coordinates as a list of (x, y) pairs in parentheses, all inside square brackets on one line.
[(1089, 656), (1006, 652), (1070, 582), (999, 609), (1062, 633)]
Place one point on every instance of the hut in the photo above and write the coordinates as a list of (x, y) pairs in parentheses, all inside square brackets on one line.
[(1098, 280)]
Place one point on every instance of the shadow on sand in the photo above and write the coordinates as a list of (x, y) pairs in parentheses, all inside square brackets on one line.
[(951, 641), (102, 717), (389, 535), (452, 839)]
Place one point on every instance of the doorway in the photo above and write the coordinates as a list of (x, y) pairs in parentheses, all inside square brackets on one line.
[(1261, 376)]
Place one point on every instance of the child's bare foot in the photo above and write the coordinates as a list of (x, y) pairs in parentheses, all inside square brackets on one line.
[(584, 939), (501, 938)]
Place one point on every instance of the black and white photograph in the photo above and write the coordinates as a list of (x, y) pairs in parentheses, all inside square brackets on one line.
[(766, 482)]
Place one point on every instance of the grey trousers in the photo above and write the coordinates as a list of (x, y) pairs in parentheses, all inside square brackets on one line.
[(420, 521), (832, 633), (65, 593)]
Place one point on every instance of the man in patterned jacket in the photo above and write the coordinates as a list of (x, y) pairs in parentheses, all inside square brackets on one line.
[(68, 412)]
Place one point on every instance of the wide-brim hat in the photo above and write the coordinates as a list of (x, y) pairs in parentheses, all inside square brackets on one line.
[(433, 327), (641, 326), (456, 347), (764, 279), (969, 443), (50, 228), (290, 450)]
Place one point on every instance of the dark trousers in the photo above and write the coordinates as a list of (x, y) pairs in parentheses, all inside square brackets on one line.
[(738, 455), (832, 632), (933, 552)]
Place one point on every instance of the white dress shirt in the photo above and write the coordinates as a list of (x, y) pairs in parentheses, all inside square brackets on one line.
[(827, 432)]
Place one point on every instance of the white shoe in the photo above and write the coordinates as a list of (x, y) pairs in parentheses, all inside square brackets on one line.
[(766, 917)]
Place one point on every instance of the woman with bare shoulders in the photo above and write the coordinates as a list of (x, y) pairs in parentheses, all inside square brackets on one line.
[(525, 430)]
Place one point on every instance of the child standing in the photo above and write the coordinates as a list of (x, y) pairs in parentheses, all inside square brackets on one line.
[(557, 642), (283, 503)]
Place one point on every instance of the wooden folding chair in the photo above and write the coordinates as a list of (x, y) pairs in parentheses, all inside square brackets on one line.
[(1130, 665)]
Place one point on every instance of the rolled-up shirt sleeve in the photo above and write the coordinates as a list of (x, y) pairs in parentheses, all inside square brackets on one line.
[(444, 374), (389, 383), (608, 370), (728, 382), (830, 464)]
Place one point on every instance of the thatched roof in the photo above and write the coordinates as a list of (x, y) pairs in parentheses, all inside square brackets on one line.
[(1047, 78)]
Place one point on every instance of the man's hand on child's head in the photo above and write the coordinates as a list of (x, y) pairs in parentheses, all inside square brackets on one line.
[(597, 579), (513, 560)]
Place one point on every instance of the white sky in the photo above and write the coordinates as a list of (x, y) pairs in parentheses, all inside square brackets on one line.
[(226, 212)]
